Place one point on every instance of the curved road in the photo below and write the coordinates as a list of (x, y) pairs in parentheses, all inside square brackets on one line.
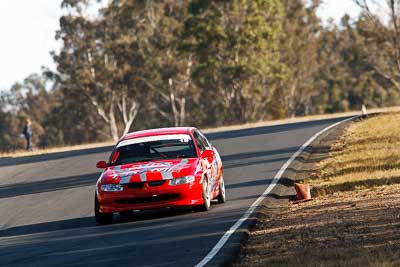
[(46, 205)]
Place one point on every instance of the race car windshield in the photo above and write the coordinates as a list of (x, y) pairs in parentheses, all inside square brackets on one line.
[(153, 148)]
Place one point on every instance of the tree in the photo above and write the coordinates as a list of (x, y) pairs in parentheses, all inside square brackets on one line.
[(236, 45), (173, 63), (382, 36), (299, 50), (345, 79), (28, 99), (88, 63)]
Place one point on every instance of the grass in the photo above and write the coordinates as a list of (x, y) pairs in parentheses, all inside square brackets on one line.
[(22, 153), (350, 229), (354, 221), (367, 155)]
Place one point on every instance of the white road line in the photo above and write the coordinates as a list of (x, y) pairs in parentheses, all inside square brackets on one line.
[(253, 206)]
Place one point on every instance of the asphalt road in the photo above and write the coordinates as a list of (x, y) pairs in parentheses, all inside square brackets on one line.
[(46, 206)]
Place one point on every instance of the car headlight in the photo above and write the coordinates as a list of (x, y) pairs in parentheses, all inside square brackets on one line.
[(182, 180), (111, 187)]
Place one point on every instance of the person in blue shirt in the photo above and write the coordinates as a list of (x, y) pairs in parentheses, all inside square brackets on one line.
[(27, 132)]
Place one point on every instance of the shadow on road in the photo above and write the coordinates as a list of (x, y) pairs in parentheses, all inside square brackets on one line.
[(48, 227), (49, 185), (8, 161), (244, 163), (270, 129), (90, 221), (212, 136), (256, 154), (282, 181), (139, 239), (257, 157)]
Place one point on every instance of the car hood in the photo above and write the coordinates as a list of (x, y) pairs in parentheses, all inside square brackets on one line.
[(149, 171)]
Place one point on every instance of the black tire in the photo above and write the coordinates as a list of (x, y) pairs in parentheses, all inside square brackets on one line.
[(222, 193), (206, 197), (126, 213), (101, 218)]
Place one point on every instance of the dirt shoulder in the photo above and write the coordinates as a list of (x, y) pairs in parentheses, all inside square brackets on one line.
[(351, 222)]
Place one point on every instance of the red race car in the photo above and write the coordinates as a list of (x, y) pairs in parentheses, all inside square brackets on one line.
[(169, 167)]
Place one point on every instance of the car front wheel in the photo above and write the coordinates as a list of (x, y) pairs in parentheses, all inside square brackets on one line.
[(206, 197), (101, 218)]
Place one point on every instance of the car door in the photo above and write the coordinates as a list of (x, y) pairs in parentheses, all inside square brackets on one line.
[(214, 165), (216, 154), (205, 163)]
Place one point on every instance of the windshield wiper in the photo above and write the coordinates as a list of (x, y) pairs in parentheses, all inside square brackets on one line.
[(122, 162), (145, 159), (158, 152)]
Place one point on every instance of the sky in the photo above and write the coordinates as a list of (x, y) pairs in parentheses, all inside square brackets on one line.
[(27, 30), (336, 9)]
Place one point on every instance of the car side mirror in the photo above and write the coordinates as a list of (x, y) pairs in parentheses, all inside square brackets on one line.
[(208, 153), (101, 164)]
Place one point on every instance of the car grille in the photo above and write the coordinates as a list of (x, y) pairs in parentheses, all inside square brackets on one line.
[(136, 185), (141, 184), (156, 183), (152, 199)]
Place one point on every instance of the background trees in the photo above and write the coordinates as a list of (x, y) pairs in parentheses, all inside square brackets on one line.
[(299, 49), (235, 44), (155, 63)]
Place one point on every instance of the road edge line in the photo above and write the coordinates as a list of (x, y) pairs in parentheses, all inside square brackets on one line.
[(271, 186)]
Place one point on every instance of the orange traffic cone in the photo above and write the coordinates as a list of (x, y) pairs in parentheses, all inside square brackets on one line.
[(303, 192)]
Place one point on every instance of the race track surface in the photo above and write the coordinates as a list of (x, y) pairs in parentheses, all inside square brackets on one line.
[(46, 205)]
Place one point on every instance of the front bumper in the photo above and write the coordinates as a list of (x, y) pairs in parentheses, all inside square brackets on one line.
[(150, 195)]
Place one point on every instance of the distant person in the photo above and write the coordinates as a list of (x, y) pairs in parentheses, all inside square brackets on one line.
[(27, 132)]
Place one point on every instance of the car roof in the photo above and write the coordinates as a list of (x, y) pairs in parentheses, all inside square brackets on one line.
[(158, 131)]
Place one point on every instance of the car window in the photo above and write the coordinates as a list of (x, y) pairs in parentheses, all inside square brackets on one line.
[(199, 141), (205, 141), (154, 148)]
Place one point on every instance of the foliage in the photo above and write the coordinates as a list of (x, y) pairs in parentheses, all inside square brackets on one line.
[(236, 47), (156, 63)]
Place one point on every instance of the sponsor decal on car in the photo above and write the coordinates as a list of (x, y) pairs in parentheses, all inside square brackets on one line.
[(148, 171)]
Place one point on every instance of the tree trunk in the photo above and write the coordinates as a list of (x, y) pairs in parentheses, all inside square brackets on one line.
[(130, 116), (110, 118), (172, 100), (292, 100), (182, 113), (113, 124)]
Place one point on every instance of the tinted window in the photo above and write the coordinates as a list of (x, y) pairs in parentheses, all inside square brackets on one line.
[(205, 141), (199, 141), (154, 150)]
